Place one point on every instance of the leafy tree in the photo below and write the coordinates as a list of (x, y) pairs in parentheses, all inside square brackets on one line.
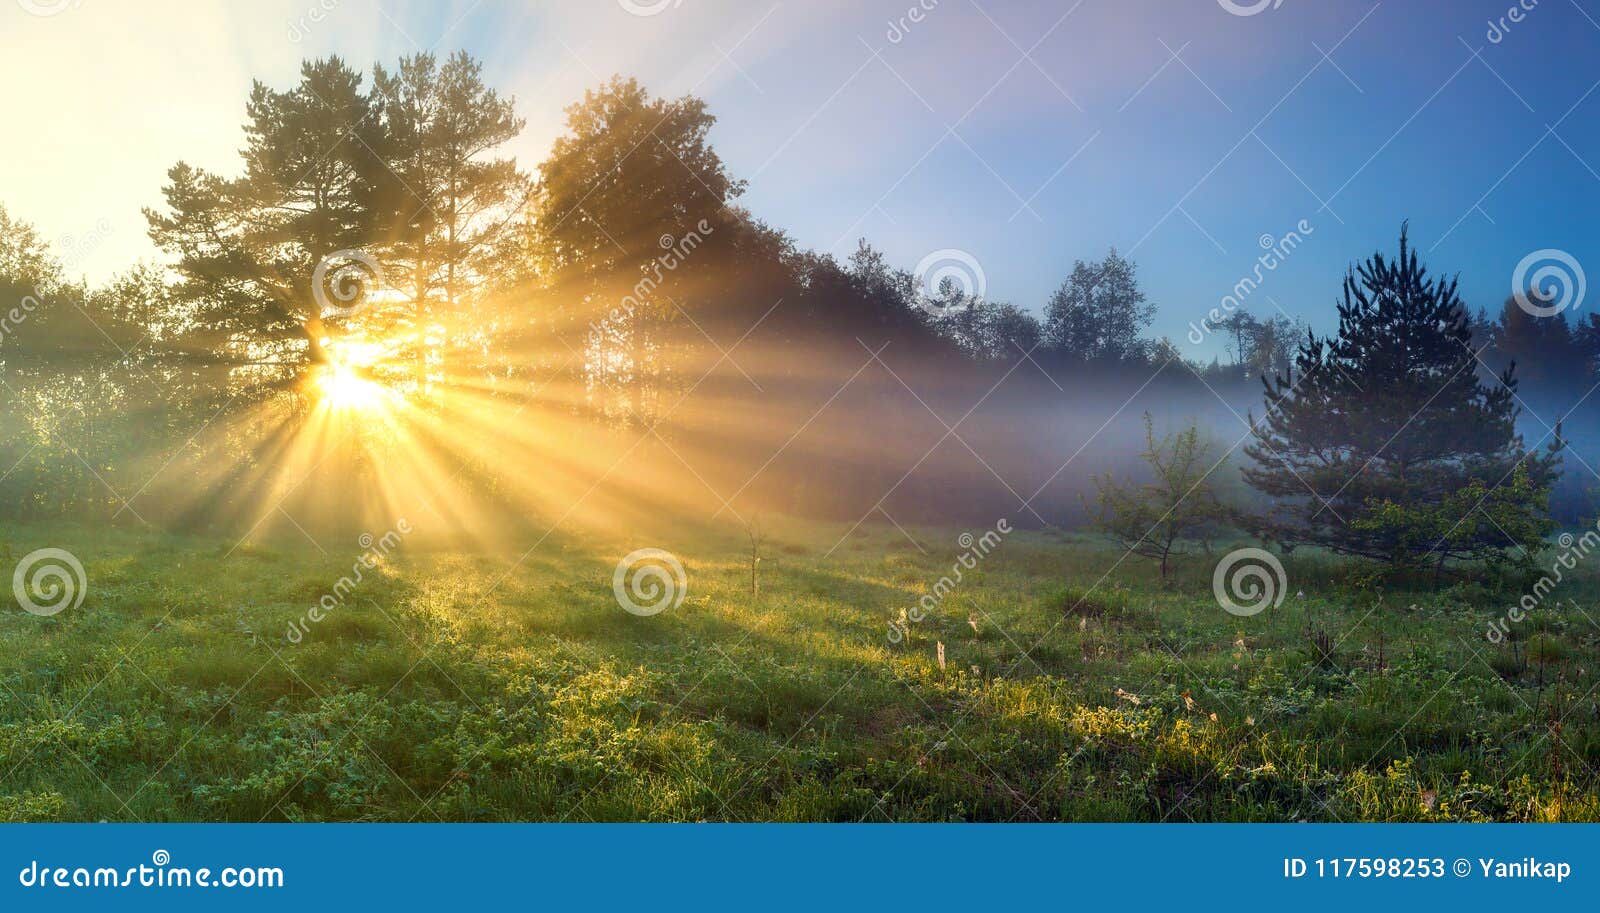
[(81, 387), (633, 181), (1388, 445), (1098, 312), (1263, 347), (630, 169), (25, 260), (1273, 344), (1241, 325), (1178, 505), (990, 330)]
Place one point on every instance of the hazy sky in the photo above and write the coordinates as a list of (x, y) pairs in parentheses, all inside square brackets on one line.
[(1027, 134)]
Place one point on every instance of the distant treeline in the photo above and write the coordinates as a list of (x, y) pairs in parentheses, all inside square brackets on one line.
[(611, 328)]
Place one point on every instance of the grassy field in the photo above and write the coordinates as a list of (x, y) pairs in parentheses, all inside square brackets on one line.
[(446, 688)]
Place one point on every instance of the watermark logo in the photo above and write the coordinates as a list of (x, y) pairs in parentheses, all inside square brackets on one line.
[(159, 873), (974, 550), (1236, 8), (1275, 252), (648, 7), (915, 15), (75, 249), (1253, 575), (48, 7), (373, 552), (674, 252), (1548, 282), (649, 581), (343, 282), (48, 581), (1500, 28), (948, 281)]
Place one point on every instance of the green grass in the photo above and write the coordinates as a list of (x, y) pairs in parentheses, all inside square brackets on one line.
[(448, 688)]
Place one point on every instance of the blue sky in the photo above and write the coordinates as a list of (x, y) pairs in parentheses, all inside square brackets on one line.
[(1172, 129)]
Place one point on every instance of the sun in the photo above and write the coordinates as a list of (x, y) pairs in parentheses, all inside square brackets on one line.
[(344, 388)]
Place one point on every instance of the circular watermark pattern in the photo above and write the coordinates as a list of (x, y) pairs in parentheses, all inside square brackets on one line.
[(343, 282), (161, 857), (649, 581), (1548, 282), (648, 7), (1250, 574), (49, 580), (48, 7), (1238, 8), (948, 281)]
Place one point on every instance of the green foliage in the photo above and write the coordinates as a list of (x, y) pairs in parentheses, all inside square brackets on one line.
[(171, 694), (1490, 524), (1178, 505), (402, 173), (1384, 441), (1098, 312)]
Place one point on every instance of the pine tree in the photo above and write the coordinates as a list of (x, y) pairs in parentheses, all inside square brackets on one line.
[(1388, 444), (246, 249), (447, 202)]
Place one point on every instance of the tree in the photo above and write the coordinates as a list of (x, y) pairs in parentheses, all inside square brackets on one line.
[(1098, 312), (1179, 503), (447, 205), (630, 169), (989, 330), (79, 402), (1387, 443), (1272, 345), (1242, 326), (633, 186), (1262, 347), (1551, 355), (247, 249), (25, 261)]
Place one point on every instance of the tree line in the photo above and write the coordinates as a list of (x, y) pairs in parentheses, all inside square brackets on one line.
[(616, 296)]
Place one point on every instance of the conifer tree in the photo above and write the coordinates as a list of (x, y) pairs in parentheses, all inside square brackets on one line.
[(1389, 443)]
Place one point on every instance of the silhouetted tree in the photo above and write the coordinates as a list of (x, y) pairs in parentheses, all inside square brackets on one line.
[(1098, 313), (632, 179), (246, 249), (447, 204), (990, 330), (1549, 354)]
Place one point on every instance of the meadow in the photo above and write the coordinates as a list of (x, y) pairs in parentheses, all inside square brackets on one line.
[(453, 684)]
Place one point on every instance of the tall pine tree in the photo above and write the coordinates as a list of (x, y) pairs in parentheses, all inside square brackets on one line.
[(1388, 444)]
